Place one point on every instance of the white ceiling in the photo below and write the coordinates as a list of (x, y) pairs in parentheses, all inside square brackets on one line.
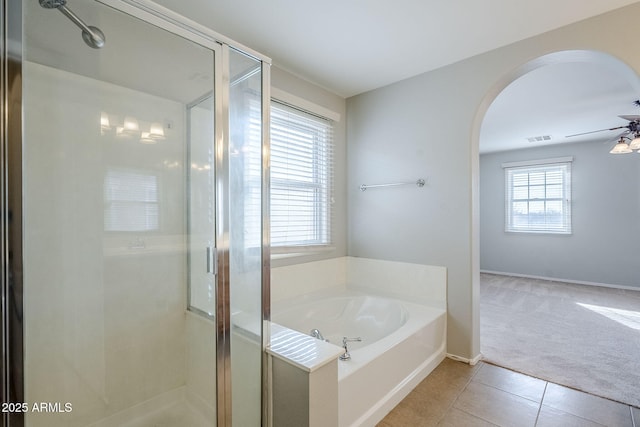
[(559, 100), (352, 46)]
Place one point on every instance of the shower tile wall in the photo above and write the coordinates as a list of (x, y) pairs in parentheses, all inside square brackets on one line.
[(104, 310)]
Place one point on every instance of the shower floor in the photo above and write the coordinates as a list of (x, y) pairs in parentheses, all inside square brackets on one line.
[(171, 409)]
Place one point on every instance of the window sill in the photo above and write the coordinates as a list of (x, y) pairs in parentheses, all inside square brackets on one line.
[(548, 233), (298, 251)]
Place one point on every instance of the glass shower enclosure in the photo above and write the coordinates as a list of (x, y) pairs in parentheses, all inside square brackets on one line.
[(134, 192)]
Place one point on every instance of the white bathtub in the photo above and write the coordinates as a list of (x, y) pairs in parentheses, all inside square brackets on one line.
[(401, 344)]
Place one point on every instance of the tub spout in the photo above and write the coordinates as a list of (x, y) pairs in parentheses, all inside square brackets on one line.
[(317, 334), (346, 355)]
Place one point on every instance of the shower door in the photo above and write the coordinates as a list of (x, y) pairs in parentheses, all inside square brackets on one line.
[(142, 225), (105, 229)]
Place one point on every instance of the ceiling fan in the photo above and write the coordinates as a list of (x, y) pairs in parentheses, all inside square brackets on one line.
[(632, 128)]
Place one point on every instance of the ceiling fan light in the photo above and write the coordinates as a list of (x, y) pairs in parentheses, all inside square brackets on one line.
[(621, 148), (635, 144)]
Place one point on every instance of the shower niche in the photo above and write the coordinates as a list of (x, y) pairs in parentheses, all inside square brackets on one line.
[(142, 219)]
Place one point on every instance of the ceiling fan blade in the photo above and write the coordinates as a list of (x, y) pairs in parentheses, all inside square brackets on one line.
[(594, 131), (630, 118)]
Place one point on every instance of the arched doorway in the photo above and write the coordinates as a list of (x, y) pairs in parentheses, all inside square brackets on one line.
[(582, 256)]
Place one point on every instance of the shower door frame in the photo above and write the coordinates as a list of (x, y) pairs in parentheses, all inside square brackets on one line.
[(12, 364), (11, 228)]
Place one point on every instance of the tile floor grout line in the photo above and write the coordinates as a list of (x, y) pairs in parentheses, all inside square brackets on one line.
[(541, 400), (472, 379), (509, 392), (453, 402), (474, 416)]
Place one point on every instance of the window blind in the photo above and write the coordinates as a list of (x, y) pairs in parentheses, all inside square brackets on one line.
[(130, 201), (538, 198), (301, 177)]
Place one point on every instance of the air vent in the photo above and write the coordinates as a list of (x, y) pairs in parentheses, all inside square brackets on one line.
[(542, 138)]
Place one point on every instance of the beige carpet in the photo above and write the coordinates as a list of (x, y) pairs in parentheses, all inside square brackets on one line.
[(584, 337)]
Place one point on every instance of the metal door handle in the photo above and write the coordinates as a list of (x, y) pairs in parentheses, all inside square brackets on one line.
[(212, 260)]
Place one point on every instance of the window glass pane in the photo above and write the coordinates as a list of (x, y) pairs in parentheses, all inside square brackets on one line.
[(554, 191), (521, 208), (536, 192), (520, 193), (536, 178), (520, 214), (520, 179), (554, 177), (554, 208), (536, 207)]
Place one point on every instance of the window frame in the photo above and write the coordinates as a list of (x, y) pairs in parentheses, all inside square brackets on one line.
[(542, 170)]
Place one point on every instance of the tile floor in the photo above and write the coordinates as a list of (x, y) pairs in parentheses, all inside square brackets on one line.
[(458, 395)]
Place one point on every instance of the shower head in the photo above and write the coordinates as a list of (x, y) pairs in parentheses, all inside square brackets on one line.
[(91, 35), (52, 4)]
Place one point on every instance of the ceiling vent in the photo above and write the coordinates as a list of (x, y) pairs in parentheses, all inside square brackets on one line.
[(542, 138)]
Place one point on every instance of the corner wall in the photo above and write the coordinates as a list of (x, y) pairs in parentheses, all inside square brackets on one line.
[(428, 126)]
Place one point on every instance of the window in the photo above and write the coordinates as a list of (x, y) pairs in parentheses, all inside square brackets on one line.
[(301, 177), (538, 196)]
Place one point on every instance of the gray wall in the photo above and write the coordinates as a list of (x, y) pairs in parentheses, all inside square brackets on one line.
[(604, 245), (429, 125)]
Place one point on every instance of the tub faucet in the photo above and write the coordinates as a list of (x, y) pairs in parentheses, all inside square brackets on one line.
[(317, 334), (346, 355)]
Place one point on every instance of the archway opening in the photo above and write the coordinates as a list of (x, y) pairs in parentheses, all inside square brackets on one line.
[(522, 324)]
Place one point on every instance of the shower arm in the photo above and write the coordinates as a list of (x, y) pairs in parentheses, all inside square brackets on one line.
[(76, 20)]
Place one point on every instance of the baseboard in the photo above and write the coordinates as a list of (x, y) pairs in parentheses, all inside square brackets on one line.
[(555, 279), (471, 362)]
